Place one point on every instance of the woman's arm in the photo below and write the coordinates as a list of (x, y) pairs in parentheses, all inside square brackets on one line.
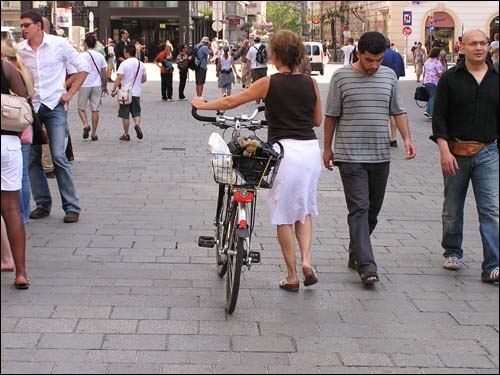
[(257, 90), (317, 115)]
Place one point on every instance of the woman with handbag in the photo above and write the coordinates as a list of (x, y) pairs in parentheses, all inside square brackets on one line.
[(10, 53), (433, 69), (14, 78), (225, 68)]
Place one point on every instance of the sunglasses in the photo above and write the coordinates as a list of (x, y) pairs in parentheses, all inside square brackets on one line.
[(26, 24)]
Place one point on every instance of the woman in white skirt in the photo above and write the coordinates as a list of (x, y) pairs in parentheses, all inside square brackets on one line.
[(293, 109)]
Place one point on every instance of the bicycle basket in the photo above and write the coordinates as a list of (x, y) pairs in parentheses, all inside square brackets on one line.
[(255, 172)]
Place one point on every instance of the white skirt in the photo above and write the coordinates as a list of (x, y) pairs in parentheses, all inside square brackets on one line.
[(293, 195)]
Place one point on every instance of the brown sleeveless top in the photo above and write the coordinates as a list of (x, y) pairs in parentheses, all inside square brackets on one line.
[(290, 103)]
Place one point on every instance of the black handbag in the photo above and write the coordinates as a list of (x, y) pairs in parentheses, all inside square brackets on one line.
[(421, 95)]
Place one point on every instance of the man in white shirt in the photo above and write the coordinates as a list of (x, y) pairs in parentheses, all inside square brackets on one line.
[(258, 69), (47, 56), (347, 49), (93, 88), (131, 75)]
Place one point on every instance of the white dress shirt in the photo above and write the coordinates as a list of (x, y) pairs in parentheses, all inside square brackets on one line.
[(48, 65)]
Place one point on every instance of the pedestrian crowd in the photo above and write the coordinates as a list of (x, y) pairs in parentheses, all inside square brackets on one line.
[(363, 99)]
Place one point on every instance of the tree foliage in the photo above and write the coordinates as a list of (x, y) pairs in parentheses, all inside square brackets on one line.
[(283, 15)]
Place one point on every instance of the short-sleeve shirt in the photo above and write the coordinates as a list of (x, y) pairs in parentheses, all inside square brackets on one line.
[(128, 69), (362, 105), (203, 53), (433, 70), (348, 54), (94, 77), (252, 56)]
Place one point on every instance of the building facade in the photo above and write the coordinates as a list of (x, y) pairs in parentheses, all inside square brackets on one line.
[(434, 23)]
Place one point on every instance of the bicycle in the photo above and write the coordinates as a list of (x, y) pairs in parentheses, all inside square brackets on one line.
[(239, 178)]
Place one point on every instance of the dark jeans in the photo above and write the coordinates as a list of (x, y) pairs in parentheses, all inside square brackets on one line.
[(364, 189), (166, 85), (182, 84), (482, 170)]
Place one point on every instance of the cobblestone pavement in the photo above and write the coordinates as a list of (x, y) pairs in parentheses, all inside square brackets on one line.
[(127, 289)]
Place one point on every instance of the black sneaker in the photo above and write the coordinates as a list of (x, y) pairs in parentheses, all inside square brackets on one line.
[(393, 143), (86, 131), (38, 213), (124, 137)]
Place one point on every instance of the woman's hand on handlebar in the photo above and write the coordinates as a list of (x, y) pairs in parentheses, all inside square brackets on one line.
[(198, 101)]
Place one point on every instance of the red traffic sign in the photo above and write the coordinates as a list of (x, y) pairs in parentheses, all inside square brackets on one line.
[(407, 31)]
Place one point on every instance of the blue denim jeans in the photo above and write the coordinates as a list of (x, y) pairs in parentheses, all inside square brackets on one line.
[(431, 90), (55, 123), (25, 194), (482, 170)]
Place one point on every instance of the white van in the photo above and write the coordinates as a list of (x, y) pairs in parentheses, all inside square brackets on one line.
[(10, 32), (314, 50)]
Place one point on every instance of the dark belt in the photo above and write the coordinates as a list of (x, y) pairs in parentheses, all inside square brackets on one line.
[(9, 132)]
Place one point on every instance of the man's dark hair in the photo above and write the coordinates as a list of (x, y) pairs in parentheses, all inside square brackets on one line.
[(373, 42), (130, 48), (33, 15), (90, 41), (123, 32)]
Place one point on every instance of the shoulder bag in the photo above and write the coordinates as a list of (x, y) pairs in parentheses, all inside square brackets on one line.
[(125, 95), (16, 113)]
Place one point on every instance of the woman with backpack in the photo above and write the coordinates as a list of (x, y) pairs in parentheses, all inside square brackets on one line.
[(164, 61), (225, 68)]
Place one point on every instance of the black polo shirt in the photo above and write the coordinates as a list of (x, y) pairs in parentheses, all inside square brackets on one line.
[(465, 109)]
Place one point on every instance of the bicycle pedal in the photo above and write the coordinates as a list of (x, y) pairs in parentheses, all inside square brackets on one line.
[(255, 256), (206, 241)]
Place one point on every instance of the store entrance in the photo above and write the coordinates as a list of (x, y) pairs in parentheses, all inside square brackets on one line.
[(149, 32)]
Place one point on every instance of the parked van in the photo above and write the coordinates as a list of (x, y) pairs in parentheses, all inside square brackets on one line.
[(10, 32), (314, 50)]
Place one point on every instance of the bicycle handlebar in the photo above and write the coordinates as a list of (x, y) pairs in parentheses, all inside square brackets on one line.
[(221, 119)]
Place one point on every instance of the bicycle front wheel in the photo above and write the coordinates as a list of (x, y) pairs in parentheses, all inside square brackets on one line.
[(234, 266), (221, 236)]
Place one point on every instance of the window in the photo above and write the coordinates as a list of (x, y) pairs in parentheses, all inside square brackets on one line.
[(94, 4)]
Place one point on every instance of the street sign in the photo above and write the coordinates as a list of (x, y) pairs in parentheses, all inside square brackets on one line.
[(407, 31), (407, 18), (217, 26)]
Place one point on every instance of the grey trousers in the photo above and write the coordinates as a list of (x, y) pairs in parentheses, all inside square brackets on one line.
[(364, 189)]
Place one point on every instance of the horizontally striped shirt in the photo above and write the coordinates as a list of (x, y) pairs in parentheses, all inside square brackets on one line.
[(362, 105)]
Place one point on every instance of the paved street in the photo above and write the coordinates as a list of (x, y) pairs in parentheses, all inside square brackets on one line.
[(127, 289)]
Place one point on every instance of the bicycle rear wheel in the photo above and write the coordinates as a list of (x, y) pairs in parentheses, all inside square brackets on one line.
[(234, 266)]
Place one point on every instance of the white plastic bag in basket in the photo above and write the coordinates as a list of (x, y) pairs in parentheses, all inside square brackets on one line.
[(221, 158)]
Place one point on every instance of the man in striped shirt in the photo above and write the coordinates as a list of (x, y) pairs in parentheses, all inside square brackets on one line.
[(360, 100)]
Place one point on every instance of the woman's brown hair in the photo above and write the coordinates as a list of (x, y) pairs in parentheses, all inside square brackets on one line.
[(288, 48)]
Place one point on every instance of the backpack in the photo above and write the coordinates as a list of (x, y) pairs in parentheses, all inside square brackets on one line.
[(106, 51), (261, 56), (354, 56), (193, 59), (167, 64)]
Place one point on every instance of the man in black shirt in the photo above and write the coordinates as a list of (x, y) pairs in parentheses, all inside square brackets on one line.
[(120, 47), (465, 126)]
